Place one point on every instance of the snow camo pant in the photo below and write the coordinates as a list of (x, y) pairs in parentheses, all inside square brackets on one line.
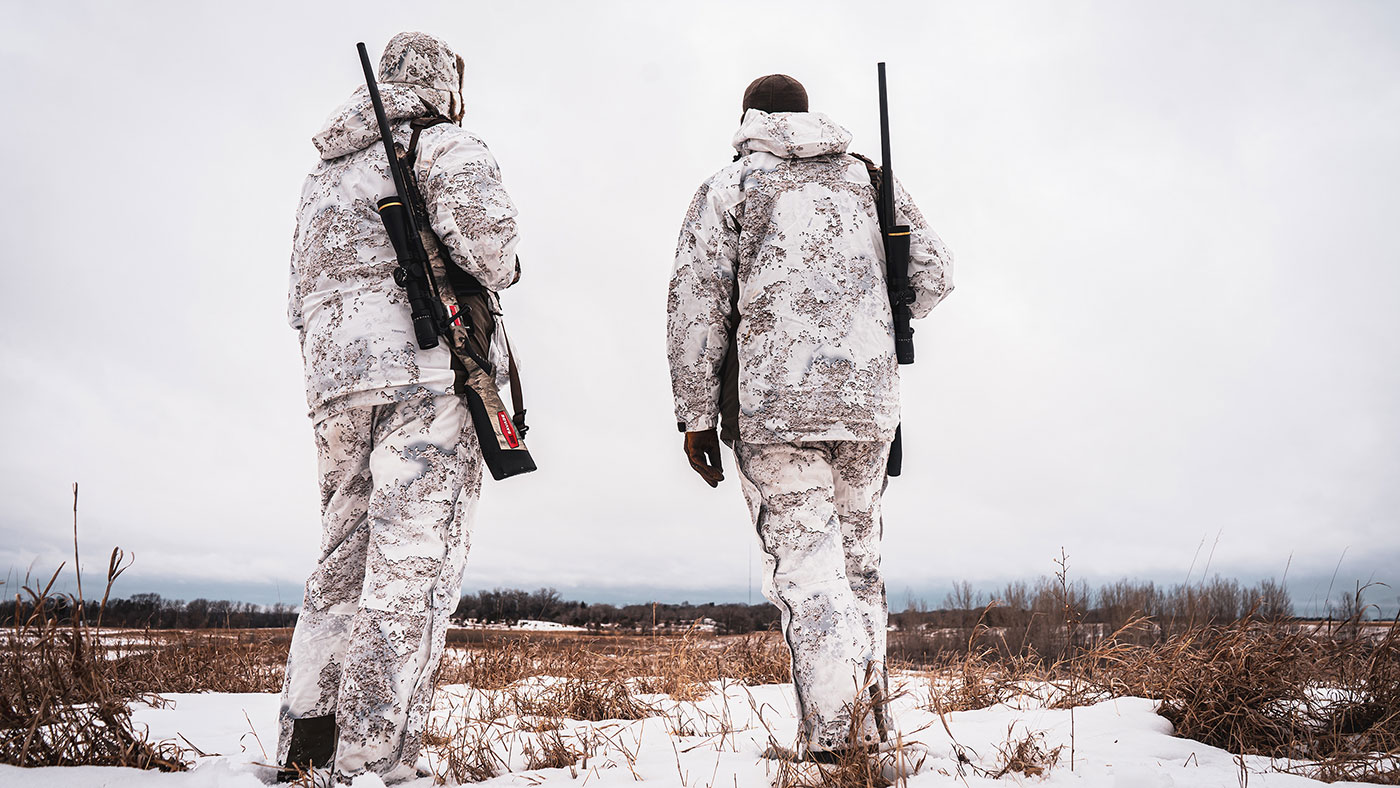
[(816, 507), (399, 484)]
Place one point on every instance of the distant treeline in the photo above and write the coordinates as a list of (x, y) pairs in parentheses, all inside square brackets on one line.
[(142, 611), (508, 605), (152, 611), (1046, 603), (1219, 600), (1052, 619)]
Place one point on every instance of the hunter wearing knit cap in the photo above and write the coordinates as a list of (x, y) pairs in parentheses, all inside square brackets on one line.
[(776, 93), (780, 333)]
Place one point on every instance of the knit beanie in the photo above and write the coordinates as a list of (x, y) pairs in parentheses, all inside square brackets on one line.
[(776, 93)]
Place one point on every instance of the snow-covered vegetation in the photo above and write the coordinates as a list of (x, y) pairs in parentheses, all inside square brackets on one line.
[(1220, 707), (1150, 703)]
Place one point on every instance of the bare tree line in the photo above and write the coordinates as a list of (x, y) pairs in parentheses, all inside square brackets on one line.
[(152, 611), (509, 605), (1041, 604)]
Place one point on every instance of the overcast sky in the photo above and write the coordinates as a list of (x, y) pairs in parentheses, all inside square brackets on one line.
[(1174, 323)]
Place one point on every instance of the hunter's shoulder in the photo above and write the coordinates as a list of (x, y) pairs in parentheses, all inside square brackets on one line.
[(718, 194), (728, 180), (855, 158), (453, 146), (449, 134), (731, 173)]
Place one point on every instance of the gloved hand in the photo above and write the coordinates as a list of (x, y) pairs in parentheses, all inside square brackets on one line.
[(702, 448)]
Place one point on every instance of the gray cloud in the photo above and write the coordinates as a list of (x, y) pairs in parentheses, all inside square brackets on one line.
[(1173, 317)]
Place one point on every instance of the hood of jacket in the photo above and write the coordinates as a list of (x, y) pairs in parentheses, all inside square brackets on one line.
[(353, 127), (790, 135), (418, 75)]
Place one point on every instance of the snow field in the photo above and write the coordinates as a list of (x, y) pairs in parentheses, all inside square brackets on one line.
[(719, 740)]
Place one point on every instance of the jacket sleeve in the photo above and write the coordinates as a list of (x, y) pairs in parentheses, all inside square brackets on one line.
[(470, 210), (294, 267), (294, 318), (698, 304), (930, 262)]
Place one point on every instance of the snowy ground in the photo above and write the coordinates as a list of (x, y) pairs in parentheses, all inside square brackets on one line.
[(718, 741), (524, 625)]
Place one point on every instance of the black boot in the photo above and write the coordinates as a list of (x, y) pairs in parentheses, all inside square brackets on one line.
[(312, 747)]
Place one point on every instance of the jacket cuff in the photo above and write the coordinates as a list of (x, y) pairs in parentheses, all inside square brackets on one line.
[(699, 424)]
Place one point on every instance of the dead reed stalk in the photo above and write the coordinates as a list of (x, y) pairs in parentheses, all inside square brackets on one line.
[(61, 702)]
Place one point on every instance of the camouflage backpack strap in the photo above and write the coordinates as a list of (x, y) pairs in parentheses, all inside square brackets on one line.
[(473, 300), (517, 394), (418, 124), (877, 178), (465, 298), (729, 374), (729, 370)]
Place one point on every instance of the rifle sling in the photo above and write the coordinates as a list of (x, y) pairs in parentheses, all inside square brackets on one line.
[(894, 465), (877, 177), (517, 395)]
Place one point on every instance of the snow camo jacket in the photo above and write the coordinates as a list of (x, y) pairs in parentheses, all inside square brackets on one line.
[(792, 224), (356, 335)]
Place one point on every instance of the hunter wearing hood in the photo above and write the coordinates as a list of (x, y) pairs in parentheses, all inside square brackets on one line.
[(780, 322), (399, 461)]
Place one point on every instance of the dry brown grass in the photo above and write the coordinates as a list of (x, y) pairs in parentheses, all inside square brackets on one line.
[(590, 699), (1027, 755), (201, 661), (62, 703), (1267, 689), (680, 667), (978, 681), (534, 682), (1326, 702), (468, 753), (859, 764)]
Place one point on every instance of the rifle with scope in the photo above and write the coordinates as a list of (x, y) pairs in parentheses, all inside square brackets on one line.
[(896, 242), (467, 324), (413, 275)]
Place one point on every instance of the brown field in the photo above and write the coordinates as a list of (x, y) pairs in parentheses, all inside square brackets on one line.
[(1327, 694)]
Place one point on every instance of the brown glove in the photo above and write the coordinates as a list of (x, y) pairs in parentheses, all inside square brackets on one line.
[(702, 448)]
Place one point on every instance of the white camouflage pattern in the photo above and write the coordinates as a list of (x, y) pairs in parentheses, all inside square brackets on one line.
[(816, 508), (357, 337), (399, 485), (794, 219), (427, 66), (399, 460), (782, 251)]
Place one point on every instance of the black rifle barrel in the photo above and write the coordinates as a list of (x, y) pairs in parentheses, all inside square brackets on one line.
[(896, 239), (386, 134), (886, 167), (401, 224), (896, 242)]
